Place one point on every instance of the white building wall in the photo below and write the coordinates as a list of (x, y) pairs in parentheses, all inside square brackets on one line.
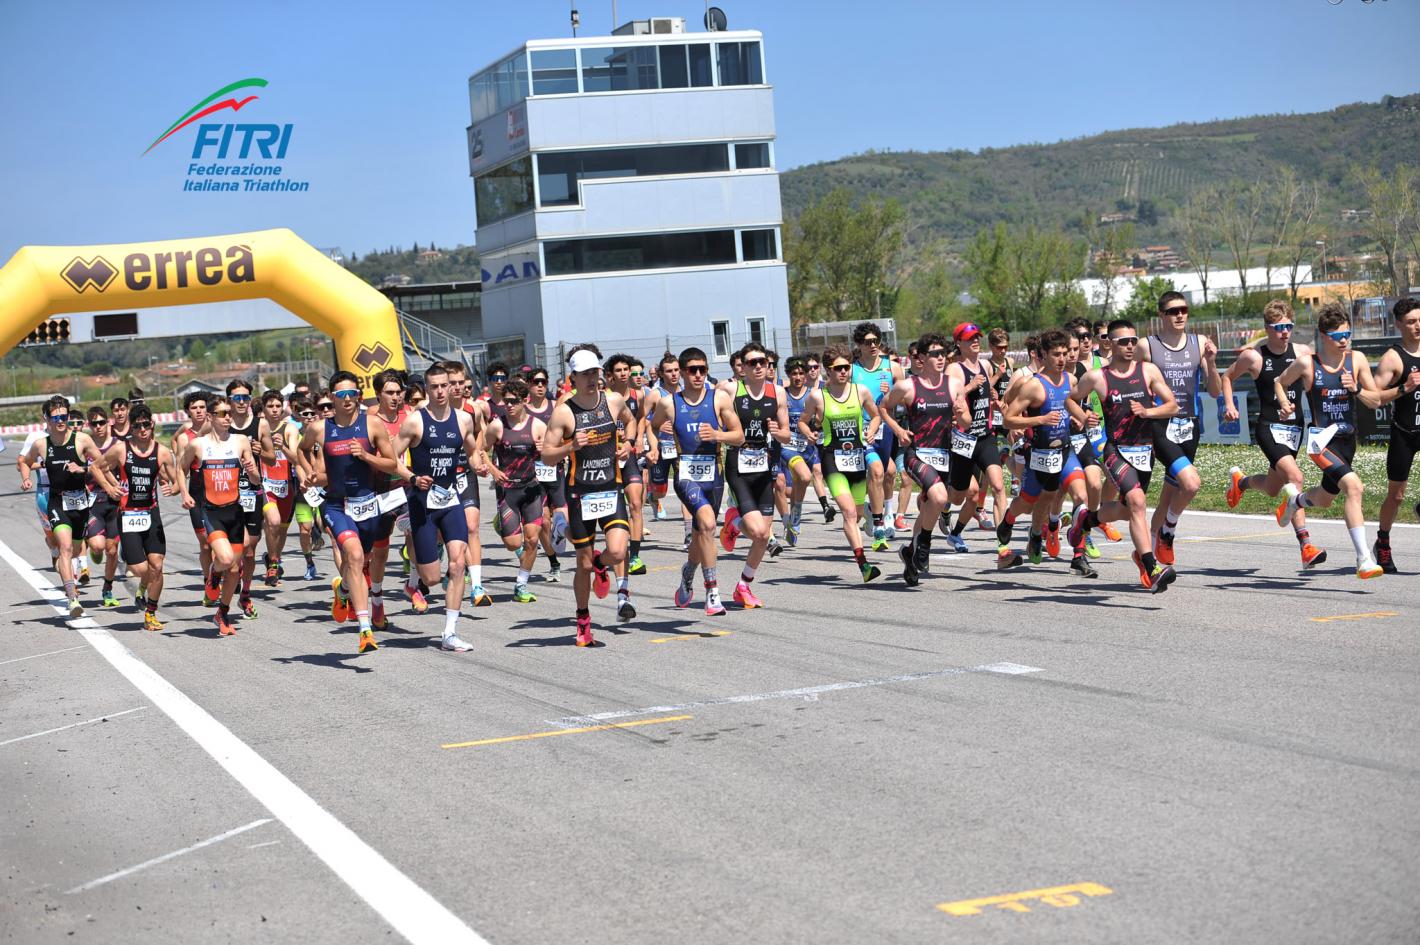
[(661, 117), (662, 204)]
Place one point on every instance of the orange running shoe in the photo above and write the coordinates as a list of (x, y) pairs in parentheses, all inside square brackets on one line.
[(339, 603), (745, 597), (1312, 555), (1144, 577), (1163, 547), (601, 582), (584, 632), (224, 626), (1110, 532), (1235, 491), (1052, 540), (730, 533), (367, 642)]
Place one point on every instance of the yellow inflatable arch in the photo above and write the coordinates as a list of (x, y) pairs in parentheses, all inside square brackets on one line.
[(40, 281)]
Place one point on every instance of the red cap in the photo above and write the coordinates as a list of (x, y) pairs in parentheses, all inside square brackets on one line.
[(966, 331)]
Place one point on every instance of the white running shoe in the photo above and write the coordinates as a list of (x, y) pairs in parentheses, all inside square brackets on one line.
[(455, 644), (559, 532)]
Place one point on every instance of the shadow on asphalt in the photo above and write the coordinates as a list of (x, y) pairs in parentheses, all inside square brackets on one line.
[(328, 660)]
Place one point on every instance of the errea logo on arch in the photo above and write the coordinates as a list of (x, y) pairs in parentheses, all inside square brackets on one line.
[(233, 157)]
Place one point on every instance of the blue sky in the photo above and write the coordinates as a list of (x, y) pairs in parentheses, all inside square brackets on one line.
[(378, 92)]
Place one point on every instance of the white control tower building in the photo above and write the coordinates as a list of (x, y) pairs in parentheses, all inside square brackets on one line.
[(627, 194)]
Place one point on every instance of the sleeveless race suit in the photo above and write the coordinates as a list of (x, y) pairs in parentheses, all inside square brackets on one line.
[(1331, 438), (798, 446), (698, 480), (278, 479), (522, 500), (351, 508), (1129, 450), (1277, 437), (842, 450), (1176, 439), (886, 444), (140, 520), (103, 511), (929, 418), (220, 468), (553, 478), (594, 477), (250, 497), (1404, 424), (974, 448), (1050, 459), (749, 468), (437, 512), (68, 497)]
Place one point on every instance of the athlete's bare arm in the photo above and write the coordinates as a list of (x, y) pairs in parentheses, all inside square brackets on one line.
[(813, 413), (1159, 387), (731, 433), (1031, 394), (779, 425), (1363, 383), (560, 440), (875, 416), (1299, 370), (904, 394)]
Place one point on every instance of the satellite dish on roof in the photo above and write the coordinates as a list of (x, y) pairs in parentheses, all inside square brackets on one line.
[(715, 20)]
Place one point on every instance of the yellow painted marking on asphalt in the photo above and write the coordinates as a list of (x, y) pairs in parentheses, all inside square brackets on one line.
[(1379, 613), (692, 636), (1061, 897), (565, 731), (666, 567)]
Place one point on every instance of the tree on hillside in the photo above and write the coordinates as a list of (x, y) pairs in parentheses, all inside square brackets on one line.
[(1282, 197), (1198, 221), (1110, 246), (1393, 201), (926, 302), (1306, 230), (843, 260), (1239, 216), (988, 263), (1045, 262)]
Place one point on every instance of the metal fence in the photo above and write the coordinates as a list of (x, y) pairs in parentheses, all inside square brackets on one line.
[(718, 346)]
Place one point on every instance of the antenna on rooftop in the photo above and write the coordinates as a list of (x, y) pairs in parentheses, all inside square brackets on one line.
[(576, 18), (715, 20)]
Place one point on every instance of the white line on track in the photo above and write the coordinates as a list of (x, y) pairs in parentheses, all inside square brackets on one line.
[(51, 731), (807, 692), (167, 856), (21, 659), (411, 911)]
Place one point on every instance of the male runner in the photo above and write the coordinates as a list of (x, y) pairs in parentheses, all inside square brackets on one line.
[(1134, 394), (661, 450), (348, 451), (118, 426), (389, 409), (279, 483), (749, 466), (973, 445), (931, 406), (618, 380), (552, 478), (247, 422), (877, 373), (1179, 355), (101, 531), (515, 438), (42, 488), (1280, 440), (699, 418), (1334, 378), (63, 455), (1398, 378), (482, 413), (219, 457), (833, 422), (438, 440), (799, 464), (146, 467), (195, 406), (584, 429)]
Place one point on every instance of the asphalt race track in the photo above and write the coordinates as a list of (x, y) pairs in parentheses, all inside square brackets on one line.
[(989, 758)]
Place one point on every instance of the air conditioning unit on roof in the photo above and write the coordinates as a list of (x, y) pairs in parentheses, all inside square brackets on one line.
[(659, 25)]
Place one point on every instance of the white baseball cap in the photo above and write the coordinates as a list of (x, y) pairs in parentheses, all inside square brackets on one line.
[(583, 360)]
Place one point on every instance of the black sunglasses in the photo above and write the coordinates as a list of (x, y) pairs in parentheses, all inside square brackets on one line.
[(695, 369)]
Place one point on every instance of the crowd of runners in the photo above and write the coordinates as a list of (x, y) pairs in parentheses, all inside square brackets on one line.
[(1064, 444)]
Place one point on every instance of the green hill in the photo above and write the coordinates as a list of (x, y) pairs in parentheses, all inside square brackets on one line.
[(1149, 172)]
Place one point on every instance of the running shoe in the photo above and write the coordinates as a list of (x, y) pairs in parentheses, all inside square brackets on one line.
[(984, 521), (909, 566), (1090, 549), (1033, 544), (1145, 578), (84, 576), (1163, 576), (417, 602), (584, 632), (870, 572), (454, 644), (831, 513), (271, 575), (880, 538), (1312, 555), (713, 606), (944, 524), (791, 535), (248, 608), (521, 594), (889, 530), (636, 566), (1110, 532), (660, 512), (109, 600), (1006, 559), (1368, 569), (76, 609), (559, 532), (209, 599), (1075, 534), (367, 642), (745, 597), (554, 573), (339, 603), (1080, 566), (1163, 547), (775, 549), (900, 522), (1066, 518), (317, 540), (224, 626), (601, 582), (1052, 539), (378, 620), (924, 560), (957, 542), (478, 597), (730, 532), (685, 545), (311, 574), (1380, 551), (1288, 506), (151, 622), (684, 594), (624, 610), (1235, 478)]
